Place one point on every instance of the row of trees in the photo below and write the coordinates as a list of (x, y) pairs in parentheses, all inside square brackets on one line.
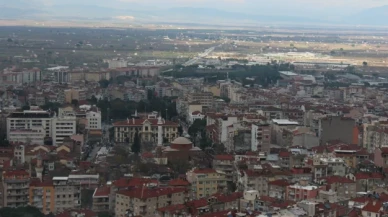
[(264, 75), (121, 109)]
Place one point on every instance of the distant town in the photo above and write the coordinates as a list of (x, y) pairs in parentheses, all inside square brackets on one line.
[(179, 123)]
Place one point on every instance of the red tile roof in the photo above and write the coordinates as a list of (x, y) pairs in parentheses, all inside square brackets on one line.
[(195, 204), (36, 182), (178, 182), (204, 171), (284, 154), (102, 191), (216, 214), (144, 192), (280, 182), (364, 175), (224, 198), (384, 150), (196, 112), (224, 157), (373, 206), (139, 122), (337, 179), (173, 208), (12, 173)]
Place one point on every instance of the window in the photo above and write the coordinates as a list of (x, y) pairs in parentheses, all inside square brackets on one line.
[(369, 214)]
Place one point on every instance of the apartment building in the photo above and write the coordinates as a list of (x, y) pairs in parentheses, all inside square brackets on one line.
[(277, 188), (42, 195), (33, 126), (101, 199), (203, 98), (206, 182), (63, 127), (29, 126), (338, 128), (94, 120), (224, 163), (63, 194), (145, 201), (75, 94), (147, 129), (16, 184), (260, 137), (22, 76), (254, 180), (341, 185), (303, 191)]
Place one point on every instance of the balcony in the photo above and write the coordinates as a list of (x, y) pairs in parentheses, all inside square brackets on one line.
[(16, 180), (17, 193)]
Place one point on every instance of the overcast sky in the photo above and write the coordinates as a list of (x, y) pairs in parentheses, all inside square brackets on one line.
[(312, 8)]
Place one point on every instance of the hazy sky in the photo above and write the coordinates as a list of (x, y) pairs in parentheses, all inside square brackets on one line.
[(315, 8)]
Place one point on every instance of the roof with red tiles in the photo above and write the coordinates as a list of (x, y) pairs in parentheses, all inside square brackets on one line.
[(195, 204), (365, 175), (204, 170), (36, 182), (102, 191), (280, 182), (172, 208), (147, 155), (226, 198), (384, 150), (337, 179), (144, 192), (13, 173), (224, 157), (178, 182), (140, 122), (196, 113), (373, 206), (284, 154)]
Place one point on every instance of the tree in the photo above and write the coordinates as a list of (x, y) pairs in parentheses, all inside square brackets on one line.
[(105, 214), (74, 102), (27, 211), (104, 83), (26, 107), (365, 63), (136, 143)]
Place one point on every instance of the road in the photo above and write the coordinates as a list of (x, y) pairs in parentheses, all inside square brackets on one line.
[(104, 142), (200, 56)]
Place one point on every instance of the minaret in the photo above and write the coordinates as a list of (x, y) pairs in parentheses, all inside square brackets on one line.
[(160, 131)]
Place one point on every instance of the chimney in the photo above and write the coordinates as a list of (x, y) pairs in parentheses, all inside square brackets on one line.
[(133, 120), (127, 121)]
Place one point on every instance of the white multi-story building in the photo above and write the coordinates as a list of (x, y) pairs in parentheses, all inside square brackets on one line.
[(29, 126), (63, 127), (94, 120), (33, 126)]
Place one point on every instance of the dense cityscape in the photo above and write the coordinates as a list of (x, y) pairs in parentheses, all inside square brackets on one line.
[(183, 120)]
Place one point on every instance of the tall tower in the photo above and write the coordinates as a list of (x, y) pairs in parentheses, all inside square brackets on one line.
[(160, 131)]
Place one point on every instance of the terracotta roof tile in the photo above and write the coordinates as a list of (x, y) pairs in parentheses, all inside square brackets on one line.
[(373, 206), (224, 157), (102, 191), (144, 193)]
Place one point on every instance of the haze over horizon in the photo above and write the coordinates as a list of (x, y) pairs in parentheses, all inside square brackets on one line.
[(328, 10)]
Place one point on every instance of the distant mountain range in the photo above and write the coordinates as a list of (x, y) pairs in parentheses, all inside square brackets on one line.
[(374, 16)]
